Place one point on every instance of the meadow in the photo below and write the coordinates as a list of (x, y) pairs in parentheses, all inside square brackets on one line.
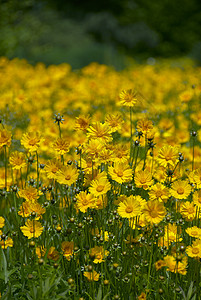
[(100, 181)]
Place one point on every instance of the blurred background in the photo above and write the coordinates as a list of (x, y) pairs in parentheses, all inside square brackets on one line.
[(112, 32)]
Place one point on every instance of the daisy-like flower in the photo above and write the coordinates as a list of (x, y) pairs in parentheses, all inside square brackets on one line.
[(40, 251), (197, 178), (61, 146), (68, 249), (100, 131), (105, 156), (114, 121), (120, 172), (99, 254), (67, 175), (188, 210), (144, 125), (167, 156), (172, 232), (180, 189), (99, 186), (82, 123), (29, 193), (93, 148), (31, 141), (92, 276), (32, 229), (2, 222), (143, 179), (17, 160), (129, 208), (194, 232), (6, 243), (197, 198), (159, 192), (85, 201), (154, 211), (53, 254), (142, 296), (174, 266), (121, 153), (159, 264), (195, 249), (128, 98), (52, 167), (5, 138), (28, 207)]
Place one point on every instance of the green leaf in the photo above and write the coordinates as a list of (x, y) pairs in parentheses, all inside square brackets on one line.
[(4, 265), (99, 296)]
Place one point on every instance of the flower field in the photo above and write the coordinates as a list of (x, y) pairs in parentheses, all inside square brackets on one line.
[(100, 181)]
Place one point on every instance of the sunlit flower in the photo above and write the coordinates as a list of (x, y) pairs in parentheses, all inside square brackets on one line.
[(99, 187), (167, 156), (197, 198), (5, 138), (68, 249), (99, 131), (67, 175), (143, 179), (29, 193), (28, 207), (99, 254), (61, 146), (159, 264), (187, 210), (154, 211), (6, 243), (128, 98), (194, 232), (120, 172), (82, 123), (92, 276), (32, 229), (159, 192), (174, 266), (129, 208), (144, 126), (2, 222), (52, 167), (17, 160), (114, 121), (85, 201), (31, 141), (195, 249), (180, 189)]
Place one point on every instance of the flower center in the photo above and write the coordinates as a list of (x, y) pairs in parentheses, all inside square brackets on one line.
[(54, 170), (153, 214), (195, 250), (143, 180), (100, 188), (129, 209), (68, 177), (32, 142), (32, 230), (180, 190), (159, 194), (85, 202), (194, 232), (191, 210), (120, 173)]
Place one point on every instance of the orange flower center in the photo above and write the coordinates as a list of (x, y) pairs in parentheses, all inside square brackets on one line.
[(153, 214), (32, 142), (191, 210), (143, 180), (195, 250), (32, 230), (180, 190), (85, 202), (100, 188), (54, 170), (68, 177), (194, 232), (159, 194), (129, 209), (120, 173)]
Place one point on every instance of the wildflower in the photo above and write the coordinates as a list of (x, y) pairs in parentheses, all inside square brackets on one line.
[(53, 254), (197, 198), (99, 254), (159, 192), (101, 201), (129, 208), (144, 126), (180, 189), (121, 153), (167, 156), (174, 266), (99, 131), (120, 172), (2, 222), (99, 186), (58, 119), (31, 141), (93, 148), (52, 167), (67, 248), (195, 249), (142, 296), (67, 175), (187, 210), (154, 211), (82, 123), (85, 201), (32, 229), (114, 121), (143, 179), (194, 232), (61, 146), (105, 156), (40, 251), (6, 243), (172, 232), (28, 207), (17, 160), (92, 276), (5, 138), (159, 264), (128, 98), (29, 193)]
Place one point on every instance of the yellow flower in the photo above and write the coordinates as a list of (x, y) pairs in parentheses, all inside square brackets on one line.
[(121, 153), (92, 276), (187, 210), (100, 131), (143, 179), (99, 186), (159, 264), (32, 229), (2, 222), (6, 243), (52, 167), (67, 175), (128, 98), (17, 160), (154, 211), (194, 232), (144, 126), (28, 207), (85, 201), (129, 208), (67, 248), (197, 198), (82, 123), (31, 141), (5, 138), (53, 254), (174, 266), (99, 254), (142, 296), (167, 156), (159, 192), (114, 121), (61, 146), (93, 148), (172, 234), (195, 249), (180, 189), (120, 172), (30, 194)]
